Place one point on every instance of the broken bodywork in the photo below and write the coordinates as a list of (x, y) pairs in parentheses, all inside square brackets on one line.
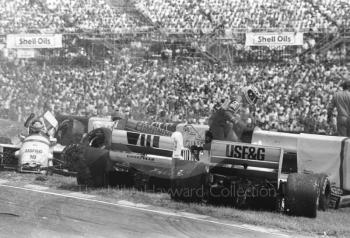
[(240, 173)]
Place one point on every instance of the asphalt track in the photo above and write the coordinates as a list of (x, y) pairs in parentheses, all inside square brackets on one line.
[(29, 211)]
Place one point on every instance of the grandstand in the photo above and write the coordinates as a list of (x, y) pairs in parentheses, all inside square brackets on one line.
[(172, 60)]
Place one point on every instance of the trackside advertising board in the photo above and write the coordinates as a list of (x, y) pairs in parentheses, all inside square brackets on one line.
[(33, 41), (273, 38)]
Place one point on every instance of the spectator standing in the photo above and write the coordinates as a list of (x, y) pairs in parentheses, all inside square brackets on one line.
[(341, 101)]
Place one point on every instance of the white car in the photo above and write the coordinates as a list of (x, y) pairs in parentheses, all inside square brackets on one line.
[(34, 152)]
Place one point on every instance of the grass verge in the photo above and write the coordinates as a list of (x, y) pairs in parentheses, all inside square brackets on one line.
[(332, 223)]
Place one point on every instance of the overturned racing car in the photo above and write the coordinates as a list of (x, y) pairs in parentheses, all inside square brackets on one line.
[(240, 173)]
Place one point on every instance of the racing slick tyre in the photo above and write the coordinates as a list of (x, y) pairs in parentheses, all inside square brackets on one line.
[(98, 138), (325, 191), (302, 194), (89, 163), (73, 161), (96, 162)]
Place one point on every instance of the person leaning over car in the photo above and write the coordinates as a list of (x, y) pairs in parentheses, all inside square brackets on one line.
[(225, 123), (341, 101)]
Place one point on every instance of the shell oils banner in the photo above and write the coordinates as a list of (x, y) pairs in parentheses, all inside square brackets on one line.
[(33, 41), (274, 38)]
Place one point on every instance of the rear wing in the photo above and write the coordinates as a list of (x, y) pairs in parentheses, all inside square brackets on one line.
[(246, 160)]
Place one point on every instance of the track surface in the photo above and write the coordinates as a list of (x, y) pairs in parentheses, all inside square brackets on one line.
[(28, 211)]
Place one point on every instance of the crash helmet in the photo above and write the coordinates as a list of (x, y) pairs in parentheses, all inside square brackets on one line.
[(251, 94), (36, 127)]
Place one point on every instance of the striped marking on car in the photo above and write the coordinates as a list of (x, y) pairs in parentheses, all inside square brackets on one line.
[(141, 150)]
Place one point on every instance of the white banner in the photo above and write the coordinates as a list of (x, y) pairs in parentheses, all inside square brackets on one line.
[(25, 53), (32, 41), (274, 38)]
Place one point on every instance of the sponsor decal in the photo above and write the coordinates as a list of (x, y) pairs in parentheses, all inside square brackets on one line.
[(140, 157), (245, 152), (145, 139), (274, 38), (36, 151), (32, 41), (141, 149)]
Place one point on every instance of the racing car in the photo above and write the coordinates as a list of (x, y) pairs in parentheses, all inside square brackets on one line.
[(36, 150), (203, 172), (41, 152)]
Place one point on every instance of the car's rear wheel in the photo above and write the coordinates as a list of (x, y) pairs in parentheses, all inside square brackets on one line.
[(89, 164), (302, 194)]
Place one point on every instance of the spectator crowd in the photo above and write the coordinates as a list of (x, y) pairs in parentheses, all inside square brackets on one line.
[(64, 16), (246, 14), (336, 10), (296, 95), (173, 15)]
